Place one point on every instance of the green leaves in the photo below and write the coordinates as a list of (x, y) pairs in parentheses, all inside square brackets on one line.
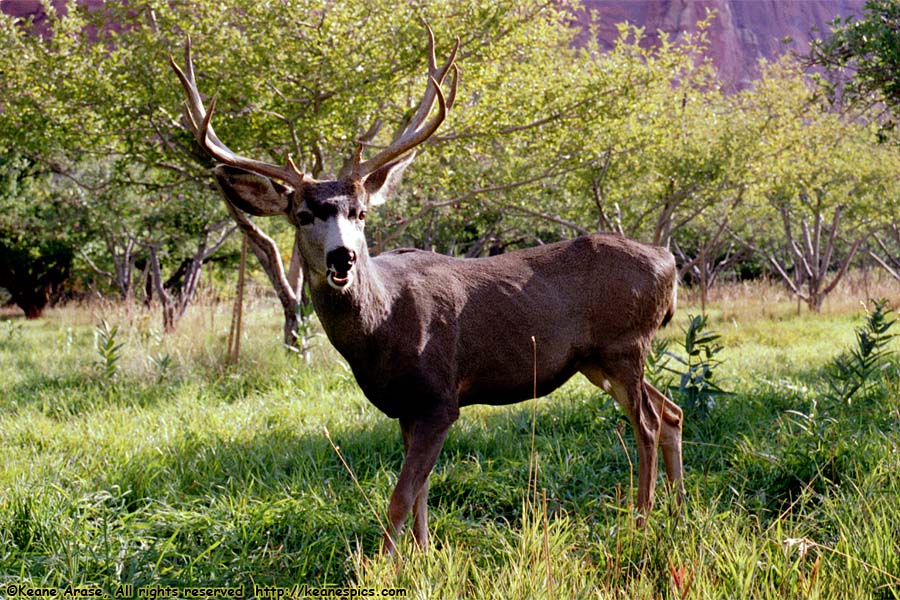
[(697, 385), (866, 49), (859, 367), (108, 350)]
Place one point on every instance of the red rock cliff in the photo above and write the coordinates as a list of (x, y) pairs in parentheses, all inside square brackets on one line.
[(742, 32)]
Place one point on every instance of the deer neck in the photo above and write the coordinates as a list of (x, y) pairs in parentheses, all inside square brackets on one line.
[(353, 313)]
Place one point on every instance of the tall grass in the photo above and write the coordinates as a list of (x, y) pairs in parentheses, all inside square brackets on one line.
[(202, 473)]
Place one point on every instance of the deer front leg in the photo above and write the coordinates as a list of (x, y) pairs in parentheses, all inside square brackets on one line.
[(420, 517), (420, 505), (670, 438), (424, 438)]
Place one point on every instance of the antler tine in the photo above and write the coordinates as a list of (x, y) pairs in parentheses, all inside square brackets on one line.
[(352, 166), (199, 120), (189, 63), (451, 98), (451, 62), (415, 133), (409, 140), (438, 75), (432, 61)]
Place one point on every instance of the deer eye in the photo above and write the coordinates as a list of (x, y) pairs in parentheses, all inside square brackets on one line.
[(362, 215), (305, 217)]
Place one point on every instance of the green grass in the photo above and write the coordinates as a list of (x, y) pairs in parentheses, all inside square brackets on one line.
[(202, 474)]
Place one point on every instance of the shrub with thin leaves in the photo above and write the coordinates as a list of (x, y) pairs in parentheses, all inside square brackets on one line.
[(658, 359), (857, 369), (162, 363), (305, 331), (695, 372), (108, 350)]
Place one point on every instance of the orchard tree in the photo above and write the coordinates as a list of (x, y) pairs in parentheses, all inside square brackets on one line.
[(151, 228), (861, 58), (39, 232), (666, 155), (635, 140), (825, 181), (87, 107)]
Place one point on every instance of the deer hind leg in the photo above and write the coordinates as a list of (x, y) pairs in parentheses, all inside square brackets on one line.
[(624, 381), (423, 439), (670, 438)]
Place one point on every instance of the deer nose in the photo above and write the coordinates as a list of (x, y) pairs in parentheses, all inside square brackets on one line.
[(341, 259)]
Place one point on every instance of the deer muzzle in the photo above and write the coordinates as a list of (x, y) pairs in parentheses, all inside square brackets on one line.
[(340, 262)]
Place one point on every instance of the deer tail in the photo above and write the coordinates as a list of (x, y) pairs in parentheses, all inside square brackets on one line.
[(670, 312)]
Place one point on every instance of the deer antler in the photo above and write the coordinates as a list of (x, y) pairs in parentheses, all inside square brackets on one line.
[(198, 119), (415, 132)]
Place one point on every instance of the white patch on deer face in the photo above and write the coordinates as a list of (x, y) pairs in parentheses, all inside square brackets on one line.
[(341, 233), (344, 244)]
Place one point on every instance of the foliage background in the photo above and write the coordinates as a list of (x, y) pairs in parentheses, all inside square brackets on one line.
[(550, 138)]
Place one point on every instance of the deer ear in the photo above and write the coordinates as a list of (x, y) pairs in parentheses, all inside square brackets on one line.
[(382, 183), (252, 193)]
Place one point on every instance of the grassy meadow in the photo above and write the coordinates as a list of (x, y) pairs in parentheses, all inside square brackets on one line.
[(160, 464)]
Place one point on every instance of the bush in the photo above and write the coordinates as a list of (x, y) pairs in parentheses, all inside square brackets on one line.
[(696, 388)]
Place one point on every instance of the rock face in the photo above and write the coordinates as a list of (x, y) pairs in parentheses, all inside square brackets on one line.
[(33, 9), (742, 32)]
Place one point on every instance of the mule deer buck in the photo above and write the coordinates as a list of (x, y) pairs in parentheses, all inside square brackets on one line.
[(427, 334)]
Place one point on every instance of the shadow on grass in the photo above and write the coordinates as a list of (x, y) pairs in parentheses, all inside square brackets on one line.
[(77, 392), (71, 394)]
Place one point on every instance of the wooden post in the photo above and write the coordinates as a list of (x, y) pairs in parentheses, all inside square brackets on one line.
[(211, 298), (234, 334), (703, 276)]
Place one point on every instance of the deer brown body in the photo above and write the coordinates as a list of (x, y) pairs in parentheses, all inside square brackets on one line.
[(461, 329), (427, 334)]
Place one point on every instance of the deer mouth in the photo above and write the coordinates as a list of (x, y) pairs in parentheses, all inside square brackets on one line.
[(337, 280)]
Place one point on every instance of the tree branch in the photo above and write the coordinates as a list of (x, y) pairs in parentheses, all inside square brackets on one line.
[(893, 273), (843, 268), (379, 246)]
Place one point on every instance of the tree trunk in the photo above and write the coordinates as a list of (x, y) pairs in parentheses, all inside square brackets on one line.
[(268, 255), (189, 272), (123, 265), (189, 286), (33, 305), (815, 302), (164, 297)]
